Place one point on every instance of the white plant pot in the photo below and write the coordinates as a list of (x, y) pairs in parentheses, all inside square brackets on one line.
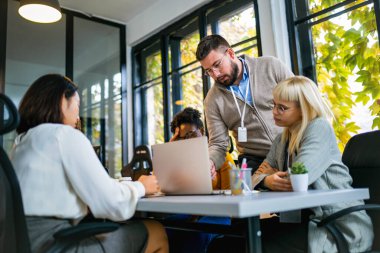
[(299, 182)]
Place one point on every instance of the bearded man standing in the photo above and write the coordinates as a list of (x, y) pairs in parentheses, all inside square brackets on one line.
[(240, 101)]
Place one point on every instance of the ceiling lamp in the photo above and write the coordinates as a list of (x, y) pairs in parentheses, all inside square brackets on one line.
[(40, 11)]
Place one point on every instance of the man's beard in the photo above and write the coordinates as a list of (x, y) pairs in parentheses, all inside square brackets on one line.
[(231, 77)]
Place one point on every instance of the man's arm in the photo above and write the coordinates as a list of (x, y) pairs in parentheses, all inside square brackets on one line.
[(218, 136)]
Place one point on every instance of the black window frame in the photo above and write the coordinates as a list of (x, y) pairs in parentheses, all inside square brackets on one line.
[(205, 15), (300, 40)]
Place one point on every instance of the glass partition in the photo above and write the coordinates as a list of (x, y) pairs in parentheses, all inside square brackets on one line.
[(85, 49), (32, 51), (97, 72)]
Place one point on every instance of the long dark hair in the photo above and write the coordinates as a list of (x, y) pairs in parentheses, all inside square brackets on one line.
[(42, 101)]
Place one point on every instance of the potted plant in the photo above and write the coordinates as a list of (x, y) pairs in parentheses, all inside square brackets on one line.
[(299, 177)]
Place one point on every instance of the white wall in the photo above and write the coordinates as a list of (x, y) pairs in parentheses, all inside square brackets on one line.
[(273, 28), (280, 31), (267, 38), (157, 16), (165, 12)]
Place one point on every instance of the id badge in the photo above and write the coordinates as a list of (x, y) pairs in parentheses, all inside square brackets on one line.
[(242, 134)]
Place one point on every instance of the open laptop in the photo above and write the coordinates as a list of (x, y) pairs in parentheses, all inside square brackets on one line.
[(183, 167)]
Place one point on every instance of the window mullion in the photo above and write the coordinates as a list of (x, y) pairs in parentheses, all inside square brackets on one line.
[(258, 33), (376, 4), (177, 93), (305, 56), (165, 85)]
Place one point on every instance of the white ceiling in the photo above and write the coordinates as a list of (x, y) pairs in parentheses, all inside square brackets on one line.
[(116, 10)]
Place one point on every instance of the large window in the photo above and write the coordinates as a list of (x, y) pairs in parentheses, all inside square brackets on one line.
[(166, 75), (336, 43), (149, 93), (185, 71), (87, 50)]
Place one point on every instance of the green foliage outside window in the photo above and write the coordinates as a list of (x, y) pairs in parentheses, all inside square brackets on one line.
[(188, 48), (156, 118), (192, 85), (238, 27), (347, 54), (155, 110), (153, 66)]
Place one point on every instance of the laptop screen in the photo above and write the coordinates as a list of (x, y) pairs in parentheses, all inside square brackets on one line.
[(183, 167)]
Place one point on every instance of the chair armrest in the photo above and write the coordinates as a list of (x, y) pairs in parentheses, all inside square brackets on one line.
[(68, 237), (346, 211), (329, 224), (85, 230)]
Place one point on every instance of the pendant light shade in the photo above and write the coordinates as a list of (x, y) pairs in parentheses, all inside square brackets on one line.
[(40, 11)]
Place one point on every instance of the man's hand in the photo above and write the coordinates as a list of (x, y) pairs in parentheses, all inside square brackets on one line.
[(150, 184), (212, 170), (278, 181)]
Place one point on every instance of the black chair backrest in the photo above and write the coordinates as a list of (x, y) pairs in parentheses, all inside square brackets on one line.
[(141, 163), (362, 157), (13, 230)]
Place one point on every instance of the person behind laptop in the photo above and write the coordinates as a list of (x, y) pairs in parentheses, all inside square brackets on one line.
[(188, 124), (61, 177), (185, 125), (308, 138), (240, 100)]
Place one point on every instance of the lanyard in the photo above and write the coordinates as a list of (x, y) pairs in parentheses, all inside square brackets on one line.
[(237, 105), (245, 98)]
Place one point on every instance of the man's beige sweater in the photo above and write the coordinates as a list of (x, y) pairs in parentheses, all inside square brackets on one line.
[(222, 115)]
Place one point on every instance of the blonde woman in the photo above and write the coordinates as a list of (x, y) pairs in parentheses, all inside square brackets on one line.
[(307, 137)]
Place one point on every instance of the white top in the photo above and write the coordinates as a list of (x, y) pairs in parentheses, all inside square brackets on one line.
[(60, 175)]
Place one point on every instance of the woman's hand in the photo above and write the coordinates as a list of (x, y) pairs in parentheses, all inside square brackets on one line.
[(266, 168), (150, 184), (278, 181), (78, 124), (175, 135), (193, 134)]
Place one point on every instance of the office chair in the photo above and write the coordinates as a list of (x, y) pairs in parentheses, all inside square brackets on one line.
[(362, 157), (13, 229), (141, 163)]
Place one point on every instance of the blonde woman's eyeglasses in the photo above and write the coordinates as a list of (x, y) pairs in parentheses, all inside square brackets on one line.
[(281, 109)]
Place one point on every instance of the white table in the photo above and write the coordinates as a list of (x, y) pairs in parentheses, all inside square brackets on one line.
[(249, 207)]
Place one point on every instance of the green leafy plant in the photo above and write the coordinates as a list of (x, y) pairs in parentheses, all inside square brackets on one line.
[(347, 62), (298, 168)]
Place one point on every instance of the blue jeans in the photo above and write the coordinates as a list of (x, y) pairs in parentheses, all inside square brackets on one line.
[(191, 242)]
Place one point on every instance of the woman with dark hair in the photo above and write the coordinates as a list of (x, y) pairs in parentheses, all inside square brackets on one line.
[(61, 177), (187, 124), (43, 102)]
